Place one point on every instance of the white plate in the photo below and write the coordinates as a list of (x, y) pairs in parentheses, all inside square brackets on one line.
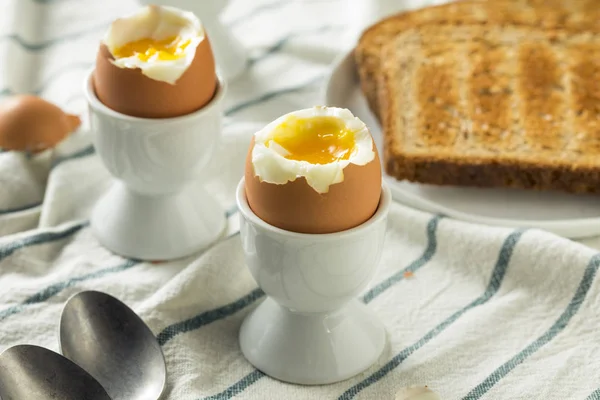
[(572, 216)]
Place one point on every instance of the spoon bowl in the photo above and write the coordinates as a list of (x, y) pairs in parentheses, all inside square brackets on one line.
[(35, 373), (113, 344)]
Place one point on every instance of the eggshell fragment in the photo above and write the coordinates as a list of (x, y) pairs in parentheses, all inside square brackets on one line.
[(417, 393), (128, 91), (30, 123), (297, 207)]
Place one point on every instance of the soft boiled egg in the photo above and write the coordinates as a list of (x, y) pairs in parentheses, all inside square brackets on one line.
[(315, 170), (156, 63)]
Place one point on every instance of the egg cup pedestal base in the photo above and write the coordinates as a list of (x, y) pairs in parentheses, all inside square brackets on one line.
[(312, 348), (157, 227)]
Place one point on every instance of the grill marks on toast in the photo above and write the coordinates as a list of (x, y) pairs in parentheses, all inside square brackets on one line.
[(543, 93), (584, 82), (408, 61), (490, 88), (436, 88)]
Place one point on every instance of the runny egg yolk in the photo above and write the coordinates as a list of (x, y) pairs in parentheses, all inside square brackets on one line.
[(167, 49), (317, 140)]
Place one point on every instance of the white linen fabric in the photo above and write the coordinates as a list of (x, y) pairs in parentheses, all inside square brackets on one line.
[(474, 312)]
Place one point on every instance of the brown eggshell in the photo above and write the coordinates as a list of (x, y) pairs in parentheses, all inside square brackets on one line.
[(297, 207), (30, 123), (128, 91)]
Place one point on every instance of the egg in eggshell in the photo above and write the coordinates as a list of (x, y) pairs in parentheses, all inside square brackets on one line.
[(156, 63), (314, 171)]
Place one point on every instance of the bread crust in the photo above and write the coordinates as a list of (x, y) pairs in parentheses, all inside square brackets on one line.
[(576, 171)]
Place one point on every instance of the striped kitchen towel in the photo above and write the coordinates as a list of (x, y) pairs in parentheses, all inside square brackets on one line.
[(473, 312)]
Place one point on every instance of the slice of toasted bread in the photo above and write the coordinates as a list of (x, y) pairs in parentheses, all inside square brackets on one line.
[(494, 103)]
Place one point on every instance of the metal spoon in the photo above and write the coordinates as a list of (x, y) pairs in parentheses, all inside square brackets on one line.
[(109, 340), (35, 373)]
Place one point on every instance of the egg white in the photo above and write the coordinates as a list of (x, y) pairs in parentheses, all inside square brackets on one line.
[(156, 22), (271, 166)]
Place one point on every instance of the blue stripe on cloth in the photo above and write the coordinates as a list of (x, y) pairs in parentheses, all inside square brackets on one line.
[(35, 47), (255, 375), (20, 208), (40, 238), (413, 267), (555, 329), (56, 288), (238, 387), (271, 95), (231, 211), (494, 284), (208, 317), (234, 234), (594, 395)]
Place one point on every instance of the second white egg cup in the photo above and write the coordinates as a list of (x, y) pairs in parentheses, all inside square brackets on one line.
[(311, 329), (158, 209)]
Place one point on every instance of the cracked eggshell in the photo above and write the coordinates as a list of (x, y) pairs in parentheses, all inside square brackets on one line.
[(128, 91), (297, 207), (30, 123)]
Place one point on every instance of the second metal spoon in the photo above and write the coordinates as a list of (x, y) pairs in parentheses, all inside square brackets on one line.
[(113, 344)]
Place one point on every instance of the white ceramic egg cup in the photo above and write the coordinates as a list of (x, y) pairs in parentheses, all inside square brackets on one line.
[(158, 208), (311, 329)]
